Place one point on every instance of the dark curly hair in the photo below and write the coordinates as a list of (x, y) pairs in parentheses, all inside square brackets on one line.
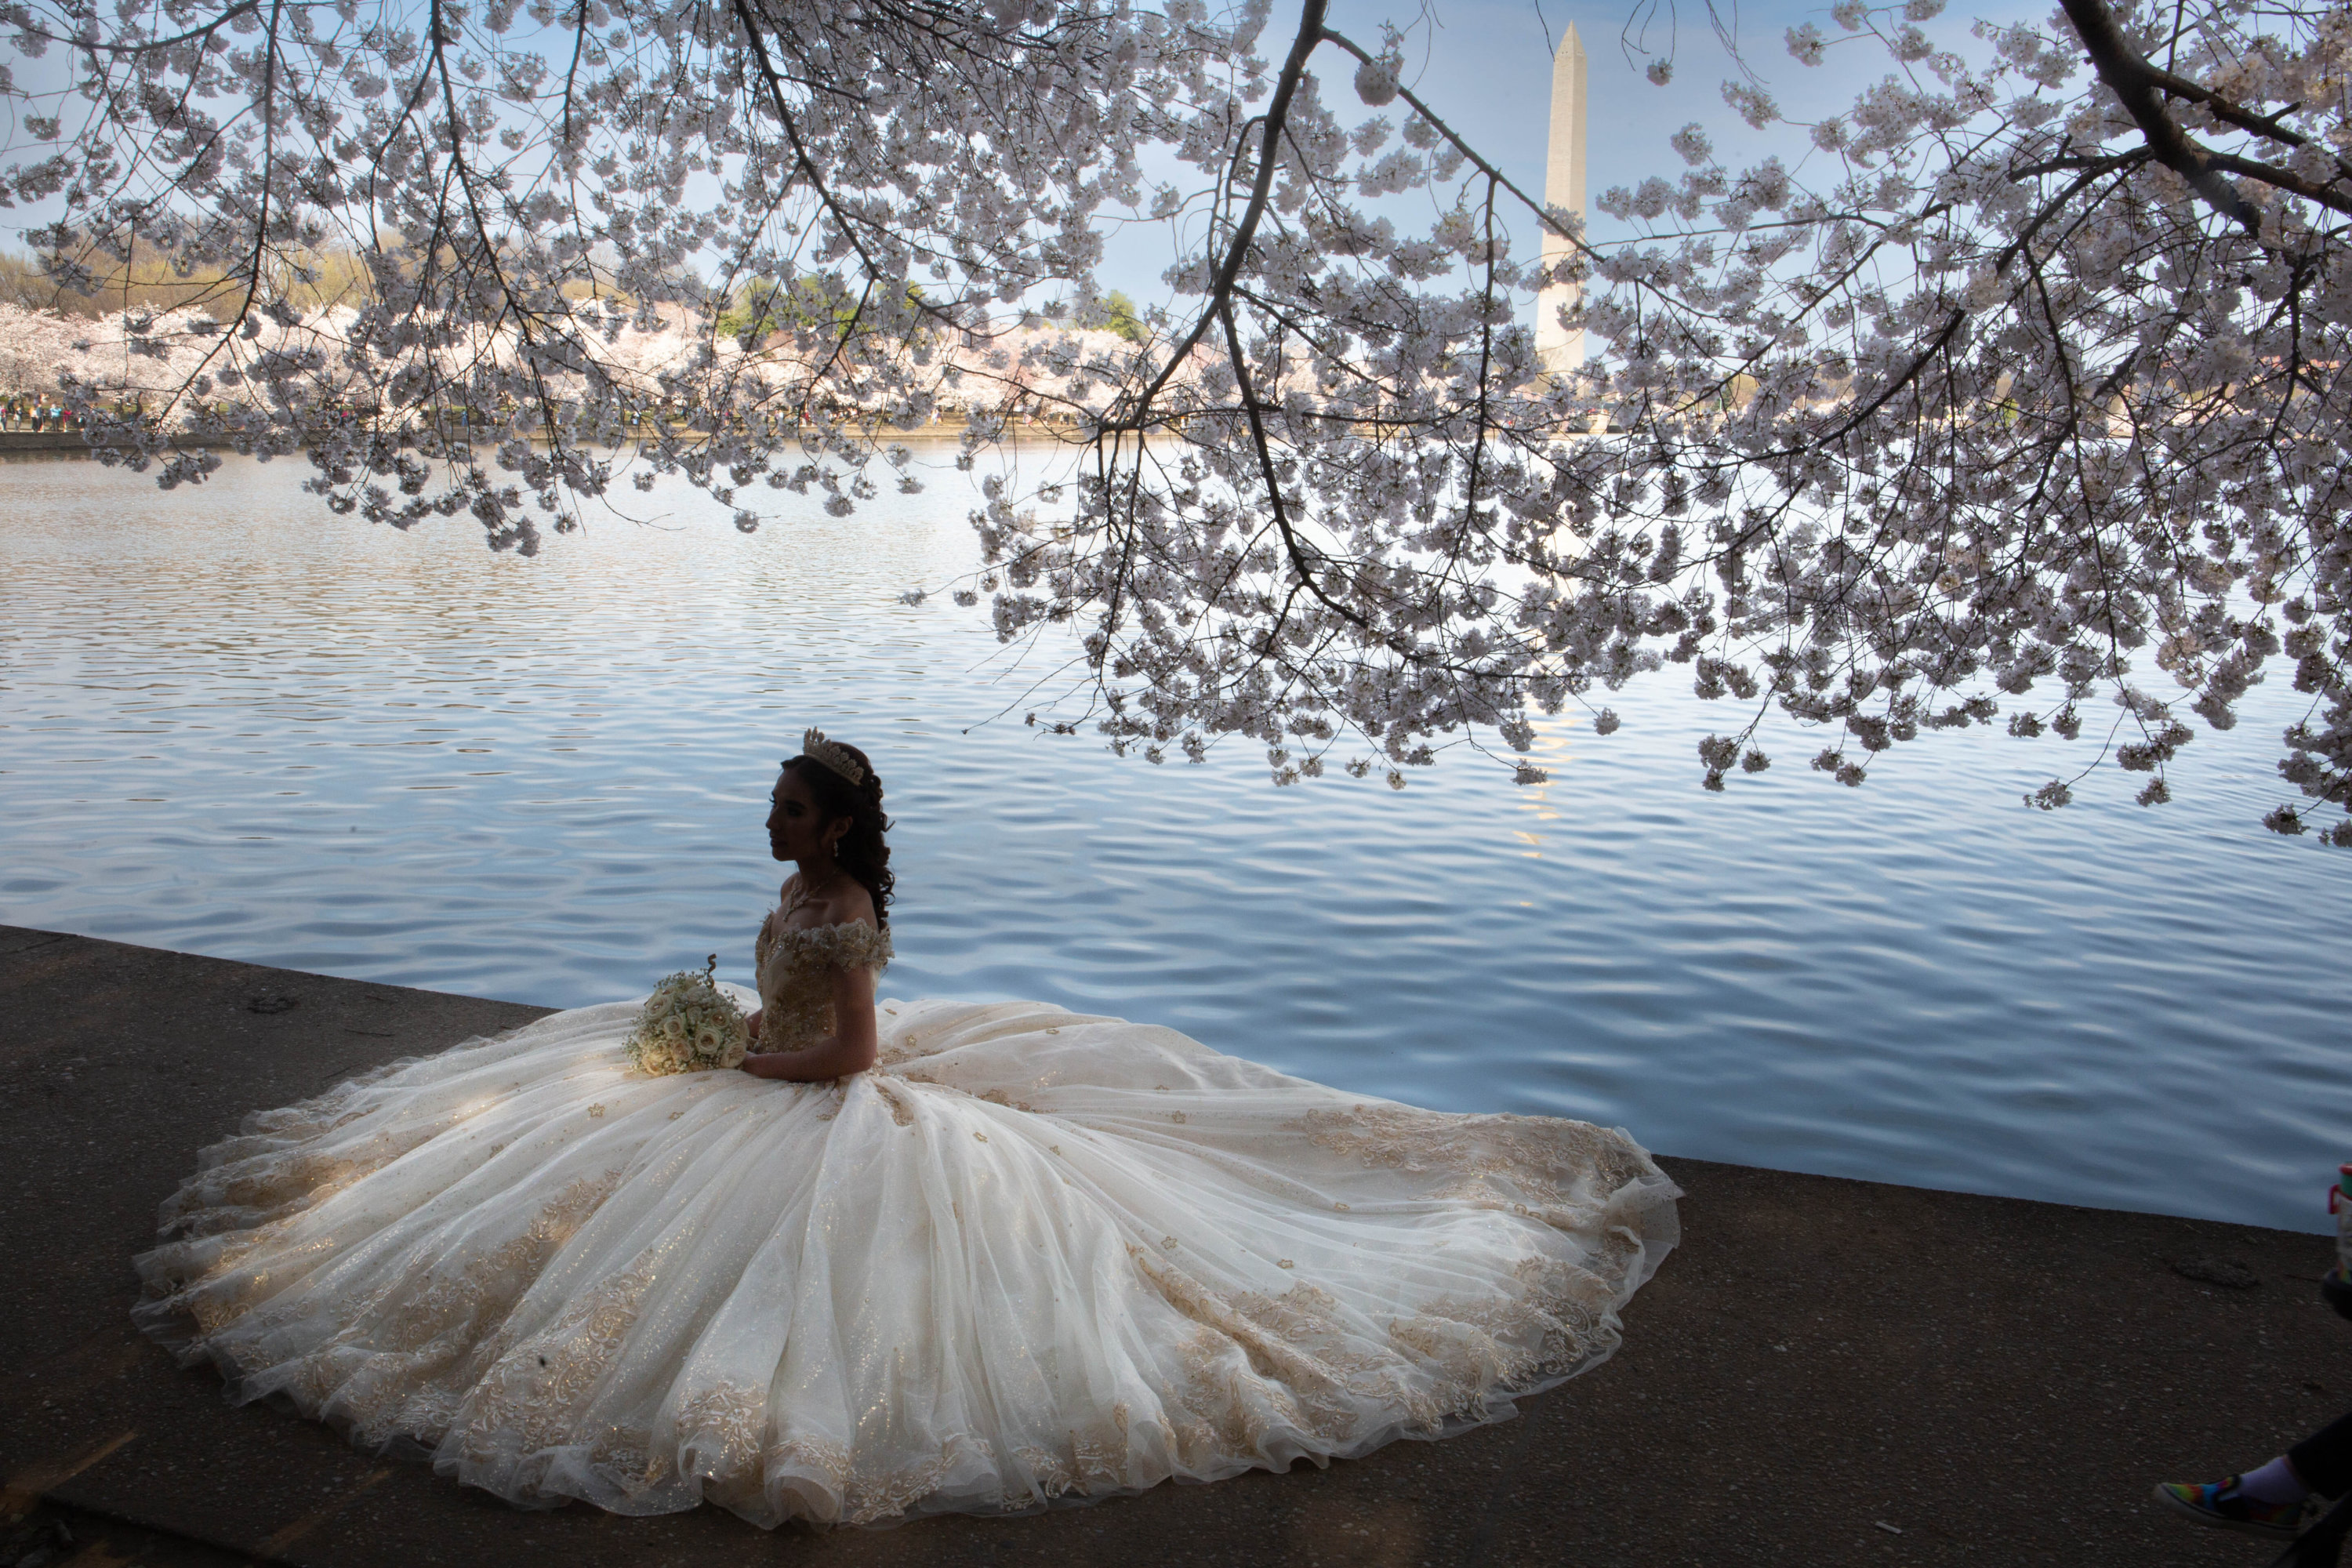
[(862, 852)]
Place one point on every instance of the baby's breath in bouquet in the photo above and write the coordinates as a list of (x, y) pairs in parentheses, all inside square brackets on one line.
[(688, 1025)]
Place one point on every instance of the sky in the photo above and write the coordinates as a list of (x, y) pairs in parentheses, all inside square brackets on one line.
[(1485, 65)]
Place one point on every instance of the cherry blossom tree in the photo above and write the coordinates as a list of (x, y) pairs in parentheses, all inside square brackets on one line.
[(2043, 389), (2018, 399)]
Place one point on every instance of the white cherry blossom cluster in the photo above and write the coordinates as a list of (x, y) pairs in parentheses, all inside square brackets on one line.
[(2020, 399), (2037, 406), (845, 189)]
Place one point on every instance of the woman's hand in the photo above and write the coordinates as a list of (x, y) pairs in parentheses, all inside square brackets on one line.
[(834, 1057), (852, 1047), (752, 1023), (812, 1064)]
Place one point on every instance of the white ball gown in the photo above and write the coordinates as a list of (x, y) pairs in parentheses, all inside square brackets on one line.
[(1031, 1256)]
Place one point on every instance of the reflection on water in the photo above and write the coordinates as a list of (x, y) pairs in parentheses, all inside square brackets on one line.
[(232, 724)]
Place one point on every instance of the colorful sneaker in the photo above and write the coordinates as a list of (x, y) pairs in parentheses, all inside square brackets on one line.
[(2220, 1503)]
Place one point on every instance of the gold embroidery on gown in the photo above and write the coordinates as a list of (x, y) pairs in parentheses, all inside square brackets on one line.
[(572, 1280), (793, 965)]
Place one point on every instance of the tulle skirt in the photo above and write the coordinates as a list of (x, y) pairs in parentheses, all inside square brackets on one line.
[(1031, 1256)]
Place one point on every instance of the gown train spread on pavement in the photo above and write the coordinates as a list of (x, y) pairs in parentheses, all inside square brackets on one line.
[(1030, 1255)]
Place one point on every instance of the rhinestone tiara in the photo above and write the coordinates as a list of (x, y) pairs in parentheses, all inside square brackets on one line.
[(831, 755)]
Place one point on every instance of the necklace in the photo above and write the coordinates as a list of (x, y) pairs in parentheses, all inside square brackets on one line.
[(807, 893)]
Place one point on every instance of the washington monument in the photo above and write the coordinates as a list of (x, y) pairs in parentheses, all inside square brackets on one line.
[(1559, 349)]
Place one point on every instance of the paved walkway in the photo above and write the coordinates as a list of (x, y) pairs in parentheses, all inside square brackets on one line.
[(1827, 1373)]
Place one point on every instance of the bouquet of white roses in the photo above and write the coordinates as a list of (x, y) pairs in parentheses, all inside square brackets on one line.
[(688, 1025)]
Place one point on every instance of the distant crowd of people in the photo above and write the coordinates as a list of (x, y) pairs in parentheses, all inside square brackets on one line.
[(29, 413), (21, 412)]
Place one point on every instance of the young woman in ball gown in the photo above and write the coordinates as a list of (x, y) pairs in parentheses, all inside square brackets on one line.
[(916, 1257)]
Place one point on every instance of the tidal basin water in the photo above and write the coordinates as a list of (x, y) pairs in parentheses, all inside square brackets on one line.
[(233, 724)]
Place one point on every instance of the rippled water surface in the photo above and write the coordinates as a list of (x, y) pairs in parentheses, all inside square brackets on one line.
[(232, 724)]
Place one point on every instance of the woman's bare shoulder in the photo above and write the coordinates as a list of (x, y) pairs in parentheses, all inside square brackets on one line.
[(851, 906)]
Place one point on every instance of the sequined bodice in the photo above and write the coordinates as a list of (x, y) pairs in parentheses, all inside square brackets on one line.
[(796, 993)]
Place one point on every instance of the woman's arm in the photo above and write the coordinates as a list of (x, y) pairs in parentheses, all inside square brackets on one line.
[(850, 1048)]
